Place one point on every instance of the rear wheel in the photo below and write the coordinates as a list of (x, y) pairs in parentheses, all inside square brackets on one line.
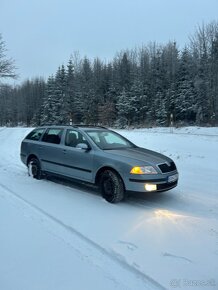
[(34, 168), (112, 187)]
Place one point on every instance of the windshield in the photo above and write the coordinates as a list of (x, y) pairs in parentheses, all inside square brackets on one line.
[(108, 140)]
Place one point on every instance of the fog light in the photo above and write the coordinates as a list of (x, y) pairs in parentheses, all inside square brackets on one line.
[(150, 187)]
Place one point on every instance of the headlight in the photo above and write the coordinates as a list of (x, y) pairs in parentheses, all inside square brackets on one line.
[(143, 170)]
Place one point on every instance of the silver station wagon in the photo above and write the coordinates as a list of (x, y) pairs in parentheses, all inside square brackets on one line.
[(99, 156)]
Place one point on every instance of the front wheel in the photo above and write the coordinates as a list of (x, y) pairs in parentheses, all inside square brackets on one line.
[(34, 168), (112, 187)]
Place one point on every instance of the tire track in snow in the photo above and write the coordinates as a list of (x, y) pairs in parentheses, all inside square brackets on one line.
[(104, 255)]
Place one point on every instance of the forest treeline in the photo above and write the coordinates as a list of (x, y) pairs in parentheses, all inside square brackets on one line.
[(146, 86)]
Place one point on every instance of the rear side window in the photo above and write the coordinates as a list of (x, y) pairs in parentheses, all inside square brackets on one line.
[(53, 135), (35, 134)]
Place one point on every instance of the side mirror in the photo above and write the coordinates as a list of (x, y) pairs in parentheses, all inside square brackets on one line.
[(83, 146)]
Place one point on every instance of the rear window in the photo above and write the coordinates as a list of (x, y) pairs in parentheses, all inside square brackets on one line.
[(53, 135), (35, 134)]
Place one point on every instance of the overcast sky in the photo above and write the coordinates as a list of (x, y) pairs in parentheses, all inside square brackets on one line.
[(42, 34)]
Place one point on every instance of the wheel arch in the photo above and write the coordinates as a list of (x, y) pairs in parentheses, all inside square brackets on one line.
[(102, 169), (30, 157)]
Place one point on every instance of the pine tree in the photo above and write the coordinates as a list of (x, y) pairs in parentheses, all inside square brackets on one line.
[(136, 102), (128, 107), (107, 113), (49, 106), (214, 80), (160, 109), (185, 103), (124, 72)]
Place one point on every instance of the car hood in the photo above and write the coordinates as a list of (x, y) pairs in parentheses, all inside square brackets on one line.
[(141, 155)]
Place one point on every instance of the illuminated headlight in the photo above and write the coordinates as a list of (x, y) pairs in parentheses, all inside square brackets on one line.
[(150, 187), (143, 170)]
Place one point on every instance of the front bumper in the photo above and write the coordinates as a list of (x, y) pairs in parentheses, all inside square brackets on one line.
[(162, 183)]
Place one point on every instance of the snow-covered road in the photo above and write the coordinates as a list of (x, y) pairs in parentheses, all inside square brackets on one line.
[(58, 235)]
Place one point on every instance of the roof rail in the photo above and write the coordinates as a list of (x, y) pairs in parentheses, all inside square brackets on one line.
[(88, 125), (74, 125)]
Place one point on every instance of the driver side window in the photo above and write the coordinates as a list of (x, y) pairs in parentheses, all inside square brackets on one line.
[(73, 138)]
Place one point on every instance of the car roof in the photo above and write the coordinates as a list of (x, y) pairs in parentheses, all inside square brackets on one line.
[(83, 127)]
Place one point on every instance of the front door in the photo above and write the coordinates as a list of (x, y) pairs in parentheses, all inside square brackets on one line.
[(77, 162)]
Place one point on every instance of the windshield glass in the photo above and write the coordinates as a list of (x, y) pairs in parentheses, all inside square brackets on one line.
[(108, 140)]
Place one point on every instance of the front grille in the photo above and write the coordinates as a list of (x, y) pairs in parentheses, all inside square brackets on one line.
[(165, 186), (165, 167)]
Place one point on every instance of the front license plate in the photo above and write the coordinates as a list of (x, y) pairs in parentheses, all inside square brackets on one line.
[(173, 178)]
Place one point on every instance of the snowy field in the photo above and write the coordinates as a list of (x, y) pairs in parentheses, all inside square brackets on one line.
[(55, 235)]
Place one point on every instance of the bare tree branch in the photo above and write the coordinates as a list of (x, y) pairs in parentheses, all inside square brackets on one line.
[(7, 67)]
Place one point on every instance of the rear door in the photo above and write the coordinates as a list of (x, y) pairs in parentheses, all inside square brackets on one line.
[(51, 150)]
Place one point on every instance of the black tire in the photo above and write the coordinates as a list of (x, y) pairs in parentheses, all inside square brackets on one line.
[(111, 186), (34, 168)]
